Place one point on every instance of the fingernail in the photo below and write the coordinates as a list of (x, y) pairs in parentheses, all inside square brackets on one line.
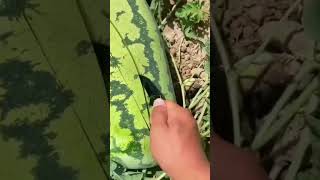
[(158, 102)]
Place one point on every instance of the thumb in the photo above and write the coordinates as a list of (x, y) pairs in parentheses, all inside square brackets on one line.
[(159, 115)]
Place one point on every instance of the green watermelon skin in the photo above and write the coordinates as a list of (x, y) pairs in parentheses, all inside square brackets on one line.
[(135, 50)]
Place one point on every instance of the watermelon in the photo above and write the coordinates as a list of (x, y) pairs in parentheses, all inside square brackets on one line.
[(52, 96), (139, 73)]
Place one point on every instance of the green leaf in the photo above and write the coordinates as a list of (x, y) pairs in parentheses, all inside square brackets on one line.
[(190, 33), (311, 16), (191, 12), (190, 15)]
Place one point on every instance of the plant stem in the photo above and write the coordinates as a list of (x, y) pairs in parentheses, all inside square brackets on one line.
[(203, 110), (164, 21), (286, 115), (179, 51), (160, 10), (268, 119), (199, 97), (299, 154), (196, 96), (201, 103), (276, 170), (180, 81), (196, 115), (182, 85), (207, 124), (205, 134), (232, 83), (161, 176), (153, 6)]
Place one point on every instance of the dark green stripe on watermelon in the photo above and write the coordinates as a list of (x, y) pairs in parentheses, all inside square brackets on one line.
[(127, 119), (144, 39)]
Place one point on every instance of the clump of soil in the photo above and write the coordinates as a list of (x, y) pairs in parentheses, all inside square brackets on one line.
[(245, 23)]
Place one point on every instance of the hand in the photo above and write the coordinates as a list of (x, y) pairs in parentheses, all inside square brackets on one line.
[(176, 143), (243, 163)]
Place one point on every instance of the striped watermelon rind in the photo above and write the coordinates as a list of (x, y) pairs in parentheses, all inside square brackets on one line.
[(135, 50)]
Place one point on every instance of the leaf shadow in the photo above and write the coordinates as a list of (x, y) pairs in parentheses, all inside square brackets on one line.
[(27, 87)]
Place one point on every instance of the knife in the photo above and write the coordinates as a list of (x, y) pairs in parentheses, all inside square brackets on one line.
[(152, 91)]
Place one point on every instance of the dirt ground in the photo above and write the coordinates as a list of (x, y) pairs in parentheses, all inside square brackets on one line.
[(247, 25), (188, 54)]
